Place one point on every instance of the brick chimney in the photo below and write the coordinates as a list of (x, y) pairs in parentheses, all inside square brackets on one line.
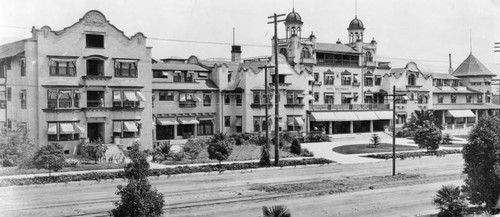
[(236, 53)]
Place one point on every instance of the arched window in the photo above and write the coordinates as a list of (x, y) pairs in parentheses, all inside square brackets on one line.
[(305, 53), (412, 79), (369, 57)]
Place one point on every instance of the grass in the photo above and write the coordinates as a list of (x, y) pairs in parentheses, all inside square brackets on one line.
[(452, 145), (364, 148), (8, 171), (240, 153), (461, 136)]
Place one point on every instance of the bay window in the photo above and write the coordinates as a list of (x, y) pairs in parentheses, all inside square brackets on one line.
[(63, 98)]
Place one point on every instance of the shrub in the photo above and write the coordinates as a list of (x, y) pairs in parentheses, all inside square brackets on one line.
[(446, 139), (219, 150), (295, 148), (193, 147), (419, 154), (306, 153), (265, 160), (179, 156), (16, 148), (428, 136), (450, 201), (95, 149), (50, 157), (8, 162), (72, 162), (162, 151), (375, 140), (276, 211)]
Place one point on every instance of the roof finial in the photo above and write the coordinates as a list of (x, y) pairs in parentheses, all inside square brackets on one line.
[(356, 9), (233, 36), (293, 5), (470, 38)]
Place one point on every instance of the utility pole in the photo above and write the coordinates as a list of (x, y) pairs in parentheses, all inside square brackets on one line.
[(266, 85), (276, 91), (394, 95), (497, 49)]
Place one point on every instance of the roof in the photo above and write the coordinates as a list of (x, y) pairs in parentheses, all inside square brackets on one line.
[(471, 66), (338, 48), (293, 17), (178, 66), (253, 65), (198, 85), (465, 106), (436, 75), (356, 24), (173, 58), (454, 91), (12, 49), (232, 66)]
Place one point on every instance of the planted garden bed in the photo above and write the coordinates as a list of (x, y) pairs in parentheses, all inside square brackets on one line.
[(419, 154), (366, 148)]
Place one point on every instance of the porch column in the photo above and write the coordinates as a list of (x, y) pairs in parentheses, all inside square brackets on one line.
[(175, 130), (351, 127), (371, 126), (443, 117), (477, 115), (330, 127), (195, 130)]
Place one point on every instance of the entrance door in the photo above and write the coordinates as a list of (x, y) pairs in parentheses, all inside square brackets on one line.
[(95, 131)]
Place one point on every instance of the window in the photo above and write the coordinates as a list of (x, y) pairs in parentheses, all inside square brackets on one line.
[(368, 81), (126, 128), (63, 98), (166, 95), (453, 98), (183, 76), (126, 69), (256, 97), (305, 53), (469, 99), (369, 57), (94, 41), (346, 80), (22, 127), (294, 98), (411, 79), (256, 124), (161, 74), (238, 99), (228, 77), (355, 97), (95, 99), (346, 98), (205, 127), (355, 81), (440, 98), (329, 98), (9, 93), (2, 70), (177, 76), (480, 98), (488, 98), (227, 99), (22, 96), (63, 131), (188, 100), (207, 99), (227, 121), (22, 65), (238, 123), (329, 79), (316, 96), (294, 123), (316, 77), (95, 67), (62, 68), (189, 76), (127, 98), (9, 124)]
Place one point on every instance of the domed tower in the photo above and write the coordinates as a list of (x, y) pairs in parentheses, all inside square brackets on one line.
[(293, 24), (355, 30)]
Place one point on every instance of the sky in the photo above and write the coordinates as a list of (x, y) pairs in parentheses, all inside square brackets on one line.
[(424, 31)]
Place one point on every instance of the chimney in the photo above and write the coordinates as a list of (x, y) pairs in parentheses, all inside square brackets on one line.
[(450, 70), (236, 53)]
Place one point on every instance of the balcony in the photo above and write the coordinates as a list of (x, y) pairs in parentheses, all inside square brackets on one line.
[(307, 60), (280, 84), (96, 80), (261, 105), (371, 64), (187, 104), (294, 105), (413, 87), (337, 62), (334, 107)]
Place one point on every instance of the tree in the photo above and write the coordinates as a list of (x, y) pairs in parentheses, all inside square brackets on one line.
[(16, 148), (138, 198), (219, 150), (375, 140), (295, 148), (450, 201), (428, 136), (95, 149), (418, 118), (482, 162), (265, 160), (276, 211), (50, 157)]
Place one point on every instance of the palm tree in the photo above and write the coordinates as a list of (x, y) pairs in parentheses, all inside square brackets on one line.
[(419, 118), (276, 211), (450, 201)]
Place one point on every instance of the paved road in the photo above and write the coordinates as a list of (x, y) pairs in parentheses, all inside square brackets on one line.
[(228, 194)]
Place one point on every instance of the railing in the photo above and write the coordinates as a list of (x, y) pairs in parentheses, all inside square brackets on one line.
[(187, 104), (336, 62), (95, 103), (350, 107), (260, 105), (294, 105)]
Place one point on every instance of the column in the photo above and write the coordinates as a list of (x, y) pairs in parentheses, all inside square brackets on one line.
[(175, 130), (330, 127), (371, 126), (443, 117), (195, 131), (477, 115), (351, 126)]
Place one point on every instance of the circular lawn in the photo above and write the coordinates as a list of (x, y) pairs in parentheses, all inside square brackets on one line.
[(365, 148)]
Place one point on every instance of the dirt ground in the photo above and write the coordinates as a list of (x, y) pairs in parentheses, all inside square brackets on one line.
[(229, 194)]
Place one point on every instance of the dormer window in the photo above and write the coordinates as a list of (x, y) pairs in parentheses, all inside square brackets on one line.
[(94, 41), (412, 79)]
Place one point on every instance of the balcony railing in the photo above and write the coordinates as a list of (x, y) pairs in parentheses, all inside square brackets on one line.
[(294, 105), (187, 104), (95, 103), (337, 62), (350, 107), (261, 105)]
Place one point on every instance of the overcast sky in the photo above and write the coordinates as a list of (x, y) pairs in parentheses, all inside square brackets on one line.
[(424, 31)]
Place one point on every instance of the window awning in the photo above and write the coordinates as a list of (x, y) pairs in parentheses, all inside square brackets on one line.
[(117, 127), (130, 96), (460, 113), (117, 96), (79, 129), (202, 74), (206, 119), (166, 121), (334, 116), (140, 96), (366, 116), (345, 116), (164, 73), (188, 120), (130, 126), (301, 95), (66, 128), (322, 116), (52, 130), (298, 121), (238, 122), (182, 97), (196, 98), (384, 115), (126, 60)]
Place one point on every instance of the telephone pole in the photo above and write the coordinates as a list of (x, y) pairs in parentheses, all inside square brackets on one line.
[(267, 104), (394, 95), (276, 91)]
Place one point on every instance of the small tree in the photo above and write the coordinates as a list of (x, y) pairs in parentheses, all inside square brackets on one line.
[(162, 151), (428, 136), (50, 157), (16, 148), (295, 148), (482, 162), (193, 147), (450, 201), (276, 211), (95, 149), (138, 198), (265, 160), (219, 150), (375, 140)]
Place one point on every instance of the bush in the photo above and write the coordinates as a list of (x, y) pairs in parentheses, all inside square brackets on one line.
[(72, 162), (403, 155), (16, 148), (219, 150), (193, 147), (95, 149), (179, 156), (265, 160), (162, 151), (295, 148), (446, 139), (306, 153), (375, 140), (428, 136), (450, 201), (50, 157), (276, 211), (8, 163)]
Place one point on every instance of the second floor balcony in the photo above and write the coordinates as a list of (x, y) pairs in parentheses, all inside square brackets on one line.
[(334, 107)]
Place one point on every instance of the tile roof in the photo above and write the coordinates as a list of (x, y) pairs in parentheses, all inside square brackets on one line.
[(12, 49), (232, 66), (436, 75), (471, 66), (178, 66), (339, 48), (253, 65)]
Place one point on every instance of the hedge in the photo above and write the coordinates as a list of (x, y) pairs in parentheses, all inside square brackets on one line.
[(419, 154), (98, 176)]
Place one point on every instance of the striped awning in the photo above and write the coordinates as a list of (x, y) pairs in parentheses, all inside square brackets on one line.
[(166, 121)]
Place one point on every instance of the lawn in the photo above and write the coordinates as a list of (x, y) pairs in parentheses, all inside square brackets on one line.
[(453, 145), (240, 153), (7, 171), (364, 148)]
